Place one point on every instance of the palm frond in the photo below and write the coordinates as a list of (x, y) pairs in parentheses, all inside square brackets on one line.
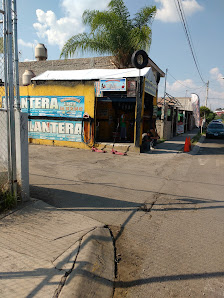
[(145, 16), (83, 42)]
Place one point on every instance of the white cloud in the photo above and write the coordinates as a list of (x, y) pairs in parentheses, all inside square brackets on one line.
[(58, 31), (217, 75), (76, 8), (167, 11), (55, 31), (182, 88), (24, 43), (216, 88)]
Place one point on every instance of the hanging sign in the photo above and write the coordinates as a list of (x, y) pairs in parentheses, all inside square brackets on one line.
[(98, 93), (150, 84), (150, 87), (131, 89), (113, 85)]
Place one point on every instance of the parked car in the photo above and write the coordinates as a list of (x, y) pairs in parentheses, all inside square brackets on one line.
[(215, 130), (217, 121)]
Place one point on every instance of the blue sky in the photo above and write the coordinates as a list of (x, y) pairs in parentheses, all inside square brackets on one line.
[(52, 22)]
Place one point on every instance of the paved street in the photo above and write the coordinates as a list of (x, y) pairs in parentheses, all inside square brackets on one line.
[(165, 210)]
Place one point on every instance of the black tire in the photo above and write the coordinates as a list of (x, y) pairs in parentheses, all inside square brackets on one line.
[(135, 56)]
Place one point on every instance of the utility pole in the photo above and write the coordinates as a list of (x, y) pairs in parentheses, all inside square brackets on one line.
[(163, 109), (206, 98)]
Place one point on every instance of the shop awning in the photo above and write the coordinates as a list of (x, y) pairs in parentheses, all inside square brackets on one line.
[(94, 74)]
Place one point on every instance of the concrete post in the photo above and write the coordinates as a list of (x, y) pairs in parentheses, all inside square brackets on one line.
[(22, 154)]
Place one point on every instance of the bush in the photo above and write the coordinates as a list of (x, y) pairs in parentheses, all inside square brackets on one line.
[(7, 200), (207, 113)]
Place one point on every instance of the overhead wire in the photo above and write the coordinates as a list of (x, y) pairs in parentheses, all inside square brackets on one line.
[(183, 84), (189, 33), (183, 20), (216, 98)]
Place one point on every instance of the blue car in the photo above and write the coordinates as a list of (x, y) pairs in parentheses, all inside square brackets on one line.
[(215, 130)]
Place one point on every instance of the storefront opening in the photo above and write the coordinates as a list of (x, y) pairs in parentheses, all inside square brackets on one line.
[(115, 119)]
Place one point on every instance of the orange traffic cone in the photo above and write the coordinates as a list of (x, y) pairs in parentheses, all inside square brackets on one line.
[(186, 145), (189, 139)]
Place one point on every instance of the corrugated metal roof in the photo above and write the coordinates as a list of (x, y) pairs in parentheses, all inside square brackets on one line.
[(91, 74)]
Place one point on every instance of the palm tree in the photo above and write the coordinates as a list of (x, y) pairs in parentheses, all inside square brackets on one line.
[(114, 32)]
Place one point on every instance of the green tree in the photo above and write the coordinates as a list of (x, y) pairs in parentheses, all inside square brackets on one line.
[(207, 113), (222, 117), (113, 32)]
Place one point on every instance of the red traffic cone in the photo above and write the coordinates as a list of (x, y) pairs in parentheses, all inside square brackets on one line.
[(189, 140), (186, 145)]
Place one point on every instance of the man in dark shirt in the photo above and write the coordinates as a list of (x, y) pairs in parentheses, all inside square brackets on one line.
[(154, 137), (146, 139), (149, 140)]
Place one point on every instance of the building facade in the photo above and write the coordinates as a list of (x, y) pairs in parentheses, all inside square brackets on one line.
[(83, 108)]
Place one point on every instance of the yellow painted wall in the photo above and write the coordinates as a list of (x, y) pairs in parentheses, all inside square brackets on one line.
[(74, 89)]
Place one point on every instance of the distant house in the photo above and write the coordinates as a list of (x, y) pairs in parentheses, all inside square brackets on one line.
[(179, 116), (219, 111)]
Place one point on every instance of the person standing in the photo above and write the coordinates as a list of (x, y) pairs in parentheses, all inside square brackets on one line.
[(123, 134)]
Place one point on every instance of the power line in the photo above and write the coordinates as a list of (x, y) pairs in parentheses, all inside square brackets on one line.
[(185, 85), (183, 20), (216, 98)]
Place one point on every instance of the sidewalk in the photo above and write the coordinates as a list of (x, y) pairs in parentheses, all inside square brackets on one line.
[(50, 252), (176, 144)]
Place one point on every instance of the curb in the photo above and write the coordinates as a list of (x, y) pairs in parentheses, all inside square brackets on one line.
[(94, 271), (197, 146)]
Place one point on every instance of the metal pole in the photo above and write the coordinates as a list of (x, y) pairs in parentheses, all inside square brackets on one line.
[(6, 90), (206, 98), (138, 112), (11, 96), (16, 60), (163, 108), (164, 99)]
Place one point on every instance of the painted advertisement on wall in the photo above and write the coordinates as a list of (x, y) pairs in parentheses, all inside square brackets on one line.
[(53, 106), (55, 130)]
